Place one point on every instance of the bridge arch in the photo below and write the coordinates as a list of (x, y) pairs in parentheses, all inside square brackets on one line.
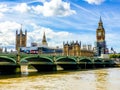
[(98, 63), (85, 63), (41, 63), (85, 60), (67, 63), (7, 59), (37, 58), (7, 65), (65, 59), (109, 63), (98, 60)]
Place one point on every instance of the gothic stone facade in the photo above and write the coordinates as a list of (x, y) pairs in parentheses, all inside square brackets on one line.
[(21, 39), (74, 49)]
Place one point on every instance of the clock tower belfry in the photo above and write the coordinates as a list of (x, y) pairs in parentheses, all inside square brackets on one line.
[(100, 32), (100, 39)]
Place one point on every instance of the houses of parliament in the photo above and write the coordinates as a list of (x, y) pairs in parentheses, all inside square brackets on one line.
[(74, 48)]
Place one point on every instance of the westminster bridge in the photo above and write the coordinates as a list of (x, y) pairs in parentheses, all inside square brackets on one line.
[(10, 62)]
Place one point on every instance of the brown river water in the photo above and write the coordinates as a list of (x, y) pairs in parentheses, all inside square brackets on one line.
[(99, 79)]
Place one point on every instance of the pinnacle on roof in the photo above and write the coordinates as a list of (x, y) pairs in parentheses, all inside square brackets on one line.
[(44, 37), (100, 20), (100, 24)]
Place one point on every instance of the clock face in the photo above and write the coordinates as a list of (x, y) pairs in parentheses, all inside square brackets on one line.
[(99, 33)]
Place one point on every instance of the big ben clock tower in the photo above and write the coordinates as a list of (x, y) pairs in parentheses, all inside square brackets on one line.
[(100, 36)]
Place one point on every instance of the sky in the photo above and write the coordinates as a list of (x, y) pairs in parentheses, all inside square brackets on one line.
[(61, 20)]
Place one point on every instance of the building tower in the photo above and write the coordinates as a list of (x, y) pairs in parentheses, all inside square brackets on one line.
[(21, 39), (72, 48), (44, 41), (100, 36), (66, 48)]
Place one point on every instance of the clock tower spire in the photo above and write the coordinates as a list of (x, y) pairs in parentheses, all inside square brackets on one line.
[(100, 39), (44, 41)]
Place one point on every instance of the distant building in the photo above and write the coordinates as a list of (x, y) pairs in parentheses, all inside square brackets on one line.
[(42, 48), (29, 50), (75, 49), (34, 44), (21, 39), (100, 45)]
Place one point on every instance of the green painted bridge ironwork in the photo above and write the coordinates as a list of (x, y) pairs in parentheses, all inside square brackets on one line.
[(9, 62)]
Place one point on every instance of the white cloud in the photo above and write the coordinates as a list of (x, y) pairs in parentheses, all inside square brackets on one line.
[(22, 7), (54, 8), (8, 26), (97, 2), (1, 15), (51, 8), (42, 0), (3, 8), (7, 32)]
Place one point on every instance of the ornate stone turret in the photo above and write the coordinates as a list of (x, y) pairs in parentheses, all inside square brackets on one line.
[(21, 39), (44, 41)]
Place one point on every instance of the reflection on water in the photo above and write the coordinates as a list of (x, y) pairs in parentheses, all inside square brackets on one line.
[(101, 79)]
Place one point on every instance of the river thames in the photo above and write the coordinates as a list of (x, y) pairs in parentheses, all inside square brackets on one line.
[(99, 79)]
